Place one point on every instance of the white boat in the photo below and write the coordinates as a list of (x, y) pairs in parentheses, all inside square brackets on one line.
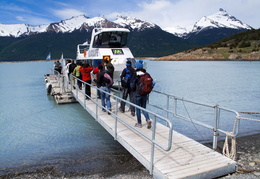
[(107, 44)]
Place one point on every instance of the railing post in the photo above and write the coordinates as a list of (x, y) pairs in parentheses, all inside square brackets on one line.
[(97, 103), (167, 107), (152, 147), (175, 106), (116, 111), (215, 129)]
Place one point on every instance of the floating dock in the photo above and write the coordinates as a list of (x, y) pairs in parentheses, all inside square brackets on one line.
[(186, 158)]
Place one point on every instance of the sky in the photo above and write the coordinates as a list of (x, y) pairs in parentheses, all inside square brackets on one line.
[(165, 13)]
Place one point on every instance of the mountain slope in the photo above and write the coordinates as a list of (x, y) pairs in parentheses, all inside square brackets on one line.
[(241, 46)]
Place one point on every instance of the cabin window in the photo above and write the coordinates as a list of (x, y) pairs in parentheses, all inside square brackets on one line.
[(82, 48), (110, 40)]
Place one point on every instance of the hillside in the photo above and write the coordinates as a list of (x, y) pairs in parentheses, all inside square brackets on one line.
[(241, 46), (36, 47)]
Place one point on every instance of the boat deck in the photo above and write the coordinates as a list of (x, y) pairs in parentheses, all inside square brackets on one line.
[(186, 159)]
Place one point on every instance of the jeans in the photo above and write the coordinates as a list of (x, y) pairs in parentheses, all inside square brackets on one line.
[(140, 100), (126, 92), (105, 98)]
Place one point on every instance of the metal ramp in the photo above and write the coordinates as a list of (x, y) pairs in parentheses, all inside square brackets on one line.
[(164, 152), (186, 158)]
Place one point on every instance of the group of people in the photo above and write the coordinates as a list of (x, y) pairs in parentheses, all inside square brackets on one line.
[(130, 82)]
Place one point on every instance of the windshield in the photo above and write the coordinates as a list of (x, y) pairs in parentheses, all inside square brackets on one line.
[(110, 40)]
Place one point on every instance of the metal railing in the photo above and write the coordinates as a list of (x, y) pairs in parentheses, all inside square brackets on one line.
[(172, 107), (118, 99)]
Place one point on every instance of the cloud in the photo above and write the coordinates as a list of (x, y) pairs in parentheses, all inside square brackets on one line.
[(185, 13), (20, 18), (67, 13)]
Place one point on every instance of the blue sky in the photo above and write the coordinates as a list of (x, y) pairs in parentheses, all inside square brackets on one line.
[(165, 13)]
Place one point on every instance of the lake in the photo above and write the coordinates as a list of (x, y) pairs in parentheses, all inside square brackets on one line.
[(37, 133)]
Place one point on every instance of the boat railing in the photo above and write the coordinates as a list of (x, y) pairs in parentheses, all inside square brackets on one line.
[(118, 99), (178, 107)]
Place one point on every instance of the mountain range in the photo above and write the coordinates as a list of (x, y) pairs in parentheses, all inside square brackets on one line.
[(63, 36)]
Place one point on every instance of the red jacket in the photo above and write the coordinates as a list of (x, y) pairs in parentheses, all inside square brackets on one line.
[(96, 71), (86, 73)]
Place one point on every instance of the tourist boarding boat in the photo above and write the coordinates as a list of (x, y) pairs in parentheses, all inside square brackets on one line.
[(107, 44)]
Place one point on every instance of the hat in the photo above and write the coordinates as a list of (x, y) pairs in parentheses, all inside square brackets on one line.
[(128, 63), (139, 64), (100, 67)]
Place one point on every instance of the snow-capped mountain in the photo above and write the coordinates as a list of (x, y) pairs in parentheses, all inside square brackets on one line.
[(134, 23), (220, 19), (75, 23), (17, 30), (178, 31)]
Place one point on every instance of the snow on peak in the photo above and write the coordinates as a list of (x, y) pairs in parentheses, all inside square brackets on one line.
[(220, 19), (17, 30), (178, 31), (133, 23), (76, 23)]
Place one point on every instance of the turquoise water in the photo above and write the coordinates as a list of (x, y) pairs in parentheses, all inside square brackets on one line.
[(36, 133)]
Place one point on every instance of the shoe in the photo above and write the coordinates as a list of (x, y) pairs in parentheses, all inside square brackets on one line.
[(121, 110), (133, 113), (138, 125), (109, 111), (149, 124)]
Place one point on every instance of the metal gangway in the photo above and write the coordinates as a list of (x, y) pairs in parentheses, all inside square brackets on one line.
[(163, 151)]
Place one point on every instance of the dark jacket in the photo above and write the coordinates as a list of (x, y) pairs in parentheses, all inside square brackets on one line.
[(110, 68), (102, 81), (123, 74), (136, 78)]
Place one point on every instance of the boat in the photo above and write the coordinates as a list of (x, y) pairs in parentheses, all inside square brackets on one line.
[(107, 44)]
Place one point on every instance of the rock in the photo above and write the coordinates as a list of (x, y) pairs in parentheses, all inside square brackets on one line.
[(257, 173), (251, 164)]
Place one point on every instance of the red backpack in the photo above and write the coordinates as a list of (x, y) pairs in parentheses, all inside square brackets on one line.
[(145, 84)]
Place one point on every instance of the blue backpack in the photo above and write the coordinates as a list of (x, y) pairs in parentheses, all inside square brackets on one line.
[(125, 82)]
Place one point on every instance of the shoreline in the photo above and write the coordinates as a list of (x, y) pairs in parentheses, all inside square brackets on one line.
[(248, 160)]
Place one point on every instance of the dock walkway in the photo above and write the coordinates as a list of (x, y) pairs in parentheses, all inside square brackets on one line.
[(185, 159)]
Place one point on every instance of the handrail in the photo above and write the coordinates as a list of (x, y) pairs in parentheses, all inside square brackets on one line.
[(217, 110), (118, 100), (169, 109)]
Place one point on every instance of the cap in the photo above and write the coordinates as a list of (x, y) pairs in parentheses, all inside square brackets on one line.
[(128, 63), (139, 64)]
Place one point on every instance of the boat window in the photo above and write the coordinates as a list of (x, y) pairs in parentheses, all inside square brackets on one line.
[(110, 40), (82, 48)]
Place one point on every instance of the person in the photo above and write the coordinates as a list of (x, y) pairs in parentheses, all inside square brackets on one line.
[(57, 66), (125, 77), (71, 68), (68, 62), (96, 72), (85, 70), (109, 67), (103, 83), (140, 99), (77, 73)]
